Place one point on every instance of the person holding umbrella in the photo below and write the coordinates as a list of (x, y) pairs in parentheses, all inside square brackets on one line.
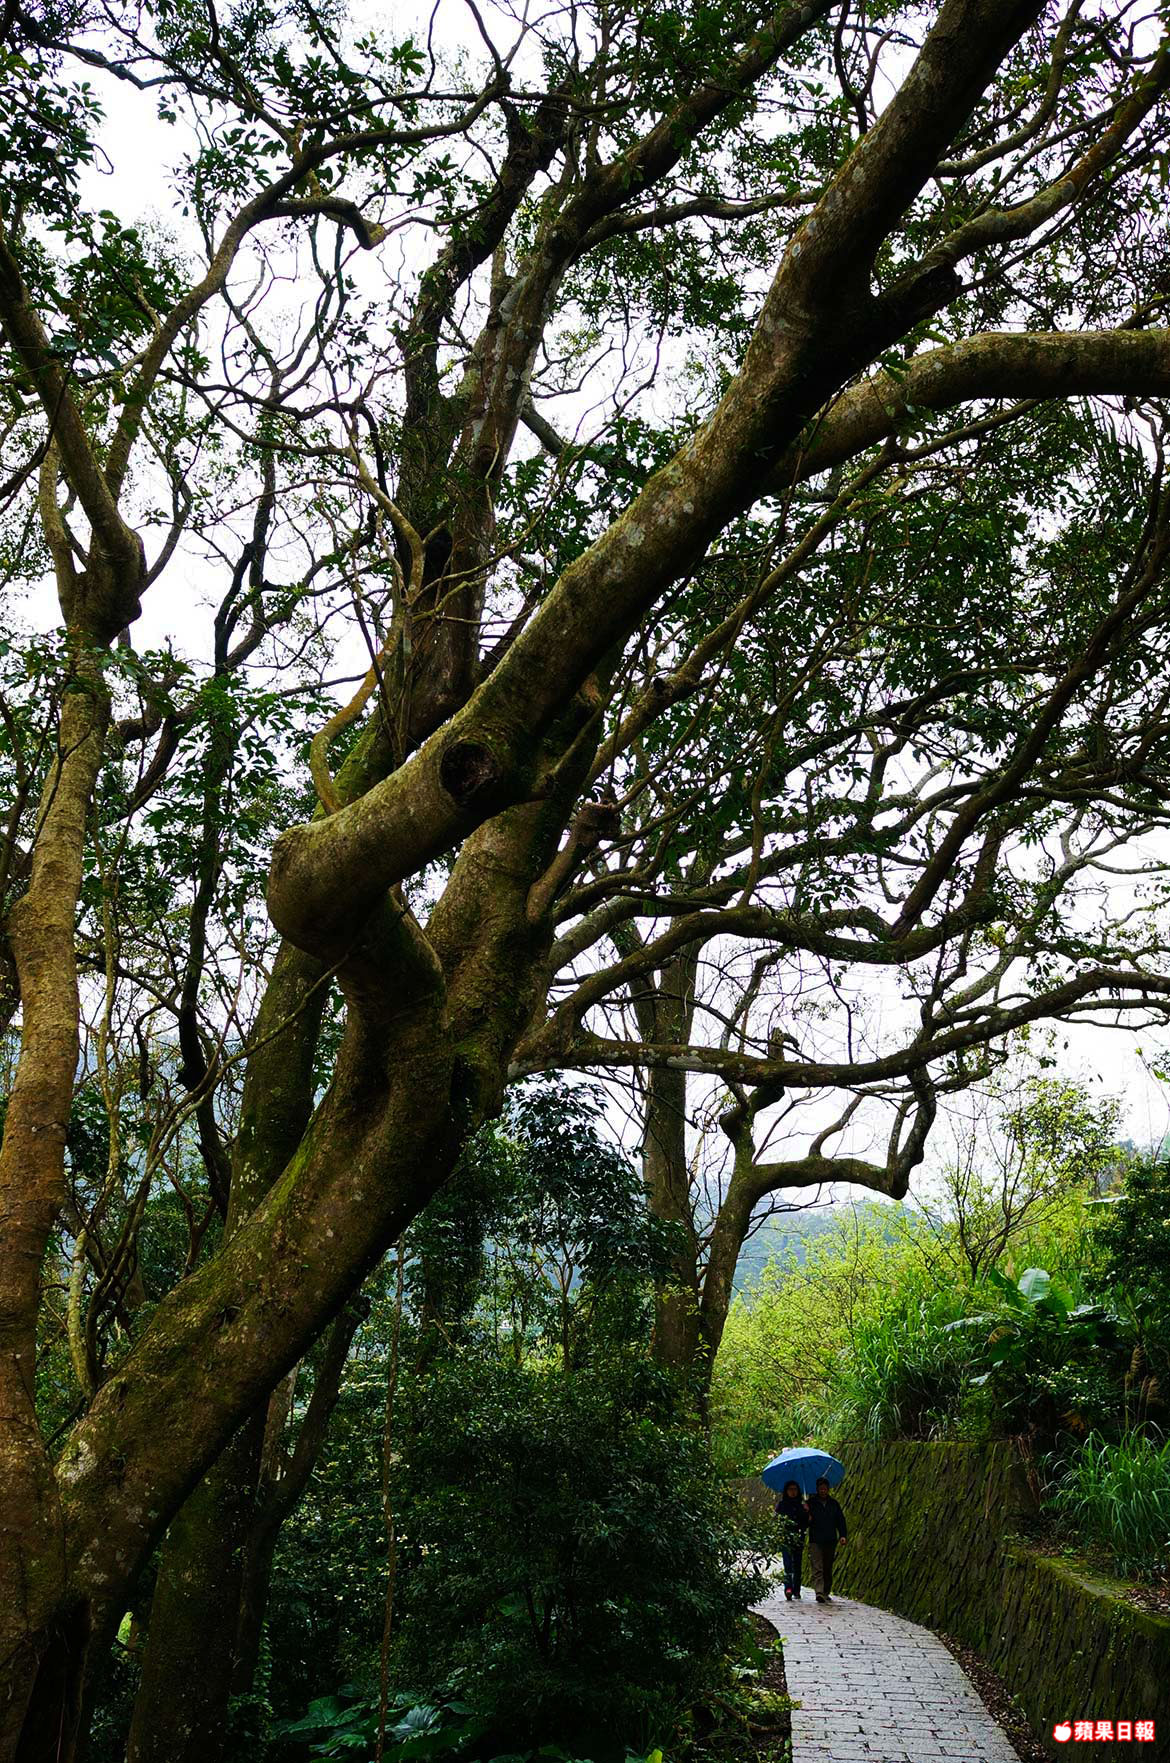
[(826, 1528), (793, 1515), (813, 1473)]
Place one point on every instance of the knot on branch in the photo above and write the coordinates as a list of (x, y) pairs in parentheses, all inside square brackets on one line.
[(466, 769), (731, 1121), (597, 821), (736, 1121)]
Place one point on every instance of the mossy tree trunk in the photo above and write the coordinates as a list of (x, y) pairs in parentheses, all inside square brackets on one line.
[(180, 1711), (489, 761), (665, 1011), (190, 1657), (44, 1624)]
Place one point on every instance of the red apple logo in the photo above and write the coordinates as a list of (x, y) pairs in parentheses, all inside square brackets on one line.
[(1062, 1732)]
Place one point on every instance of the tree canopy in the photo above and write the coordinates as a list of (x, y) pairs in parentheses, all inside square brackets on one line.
[(652, 534)]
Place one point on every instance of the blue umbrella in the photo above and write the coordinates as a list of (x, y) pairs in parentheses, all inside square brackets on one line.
[(804, 1466)]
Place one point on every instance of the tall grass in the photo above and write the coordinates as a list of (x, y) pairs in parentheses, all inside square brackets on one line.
[(905, 1376), (1119, 1496)]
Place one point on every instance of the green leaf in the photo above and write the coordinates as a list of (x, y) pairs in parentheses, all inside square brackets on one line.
[(1035, 1284)]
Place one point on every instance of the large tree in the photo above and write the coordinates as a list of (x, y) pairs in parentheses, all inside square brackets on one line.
[(673, 411)]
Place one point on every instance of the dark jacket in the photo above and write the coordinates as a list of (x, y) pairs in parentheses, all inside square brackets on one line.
[(826, 1521), (796, 1513)]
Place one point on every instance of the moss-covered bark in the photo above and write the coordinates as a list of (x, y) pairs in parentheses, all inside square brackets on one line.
[(43, 1631), (488, 770), (664, 1011), (181, 1707), (190, 1660), (667, 1176)]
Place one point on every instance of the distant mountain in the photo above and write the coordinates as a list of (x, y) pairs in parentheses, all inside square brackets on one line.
[(792, 1232)]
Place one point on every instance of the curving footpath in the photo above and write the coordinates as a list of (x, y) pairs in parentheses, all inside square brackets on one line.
[(876, 1689)]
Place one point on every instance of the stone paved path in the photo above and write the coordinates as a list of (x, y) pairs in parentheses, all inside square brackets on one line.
[(876, 1689)]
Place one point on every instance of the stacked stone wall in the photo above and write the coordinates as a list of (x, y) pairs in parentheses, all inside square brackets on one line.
[(938, 1533)]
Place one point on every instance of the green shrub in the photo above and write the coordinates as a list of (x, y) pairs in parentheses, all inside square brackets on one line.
[(783, 1373), (1052, 1367), (1132, 1250), (562, 1533), (1118, 1496), (345, 1725), (343, 1728), (874, 1336)]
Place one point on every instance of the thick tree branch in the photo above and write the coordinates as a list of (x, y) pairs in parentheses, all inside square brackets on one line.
[(324, 875), (71, 442), (1128, 990), (996, 364)]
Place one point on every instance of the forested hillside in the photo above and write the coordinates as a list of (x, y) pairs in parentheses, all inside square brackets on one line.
[(787, 1237)]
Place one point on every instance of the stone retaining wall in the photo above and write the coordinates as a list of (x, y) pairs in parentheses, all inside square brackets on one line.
[(934, 1536)]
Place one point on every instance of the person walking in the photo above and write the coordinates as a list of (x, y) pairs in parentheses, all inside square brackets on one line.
[(826, 1528), (793, 1515)]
